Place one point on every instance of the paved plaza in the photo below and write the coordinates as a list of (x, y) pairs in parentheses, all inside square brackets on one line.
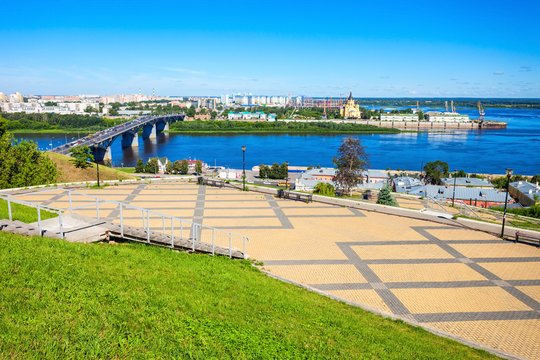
[(464, 282)]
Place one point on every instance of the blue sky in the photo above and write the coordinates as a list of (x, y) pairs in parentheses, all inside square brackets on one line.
[(376, 48)]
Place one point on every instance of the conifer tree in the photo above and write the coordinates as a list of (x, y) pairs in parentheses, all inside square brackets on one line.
[(385, 197)]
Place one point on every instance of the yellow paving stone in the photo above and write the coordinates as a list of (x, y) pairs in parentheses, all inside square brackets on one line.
[(235, 204), (157, 198), (532, 291), (519, 337), (269, 221), (445, 300), (514, 270), (416, 251), (157, 205), (92, 212), (239, 212), (425, 272), (307, 211), (451, 233), (502, 250), (365, 297), (318, 274)]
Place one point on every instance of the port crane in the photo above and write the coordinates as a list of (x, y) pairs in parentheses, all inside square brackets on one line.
[(481, 113)]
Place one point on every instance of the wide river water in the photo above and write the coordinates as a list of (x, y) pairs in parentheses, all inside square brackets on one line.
[(479, 151)]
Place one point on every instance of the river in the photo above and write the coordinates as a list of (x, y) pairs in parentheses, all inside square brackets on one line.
[(478, 151)]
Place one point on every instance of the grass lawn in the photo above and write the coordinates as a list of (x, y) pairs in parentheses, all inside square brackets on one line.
[(69, 173), (129, 170), (68, 300), (23, 213)]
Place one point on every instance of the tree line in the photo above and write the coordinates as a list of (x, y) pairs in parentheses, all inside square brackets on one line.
[(21, 121), (21, 164), (177, 167), (275, 171), (276, 126)]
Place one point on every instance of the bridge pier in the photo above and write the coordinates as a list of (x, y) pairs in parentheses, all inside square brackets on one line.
[(162, 126), (101, 153), (149, 131), (130, 139)]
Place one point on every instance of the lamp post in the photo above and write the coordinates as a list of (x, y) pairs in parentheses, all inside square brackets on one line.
[(454, 196), (97, 169), (243, 168), (508, 175)]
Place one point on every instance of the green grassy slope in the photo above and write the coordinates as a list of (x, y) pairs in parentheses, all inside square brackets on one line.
[(23, 213), (64, 300)]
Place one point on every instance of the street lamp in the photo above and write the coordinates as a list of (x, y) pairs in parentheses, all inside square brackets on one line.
[(454, 196), (508, 175), (243, 168), (97, 169)]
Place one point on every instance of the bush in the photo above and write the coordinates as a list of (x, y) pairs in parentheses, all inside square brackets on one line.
[(21, 164), (533, 211), (325, 189), (139, 168), (385, 197)]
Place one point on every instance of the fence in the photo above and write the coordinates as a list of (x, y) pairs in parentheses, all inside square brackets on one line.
[(171, 226), (11, 200)]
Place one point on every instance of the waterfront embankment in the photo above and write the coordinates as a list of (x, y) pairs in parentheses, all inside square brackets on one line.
[(419, 125)]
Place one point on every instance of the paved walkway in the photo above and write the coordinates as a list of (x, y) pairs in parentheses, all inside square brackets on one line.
[(461, 281)]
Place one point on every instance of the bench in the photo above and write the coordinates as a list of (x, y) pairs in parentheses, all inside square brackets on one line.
[(213, 182), (527, 237), (297, 196)]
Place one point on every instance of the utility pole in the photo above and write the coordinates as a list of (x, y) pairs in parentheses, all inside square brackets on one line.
[(508, 175), (97, 168), (454, 196), (244, 168)]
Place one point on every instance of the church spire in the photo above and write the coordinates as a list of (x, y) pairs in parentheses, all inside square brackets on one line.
[(350, 96)]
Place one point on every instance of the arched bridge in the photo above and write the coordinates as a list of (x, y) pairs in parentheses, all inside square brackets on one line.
[(100, 142)]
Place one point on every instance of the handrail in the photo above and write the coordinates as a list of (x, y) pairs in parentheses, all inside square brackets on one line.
[(434, 201), (97, 201), (10, 199)]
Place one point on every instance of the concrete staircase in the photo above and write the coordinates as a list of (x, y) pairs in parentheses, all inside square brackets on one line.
[(79, 228), (160, 239), (18, 227)]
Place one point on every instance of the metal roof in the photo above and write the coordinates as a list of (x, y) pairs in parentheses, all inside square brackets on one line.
[(526, 188), (465, 181), (462, 193)]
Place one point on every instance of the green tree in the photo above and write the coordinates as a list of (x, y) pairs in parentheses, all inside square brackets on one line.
[(324, 189), (139, 168), (198, 167), (264, 171), (385, 197), (3, 126), (184, 167), (89, 109), (82, 156), (461, 173), (284, 170), (177, 167), (421, 115), (434, 171), (535, 179), (21, 164), (275, 171), (169, 169), (351, 161), (151, 166)]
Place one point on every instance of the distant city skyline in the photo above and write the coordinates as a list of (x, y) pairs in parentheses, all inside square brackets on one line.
[(386, 49)]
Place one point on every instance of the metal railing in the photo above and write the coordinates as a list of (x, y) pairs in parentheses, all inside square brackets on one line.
[(466, 210), (169, 224), (10, 199), (436, 204)]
